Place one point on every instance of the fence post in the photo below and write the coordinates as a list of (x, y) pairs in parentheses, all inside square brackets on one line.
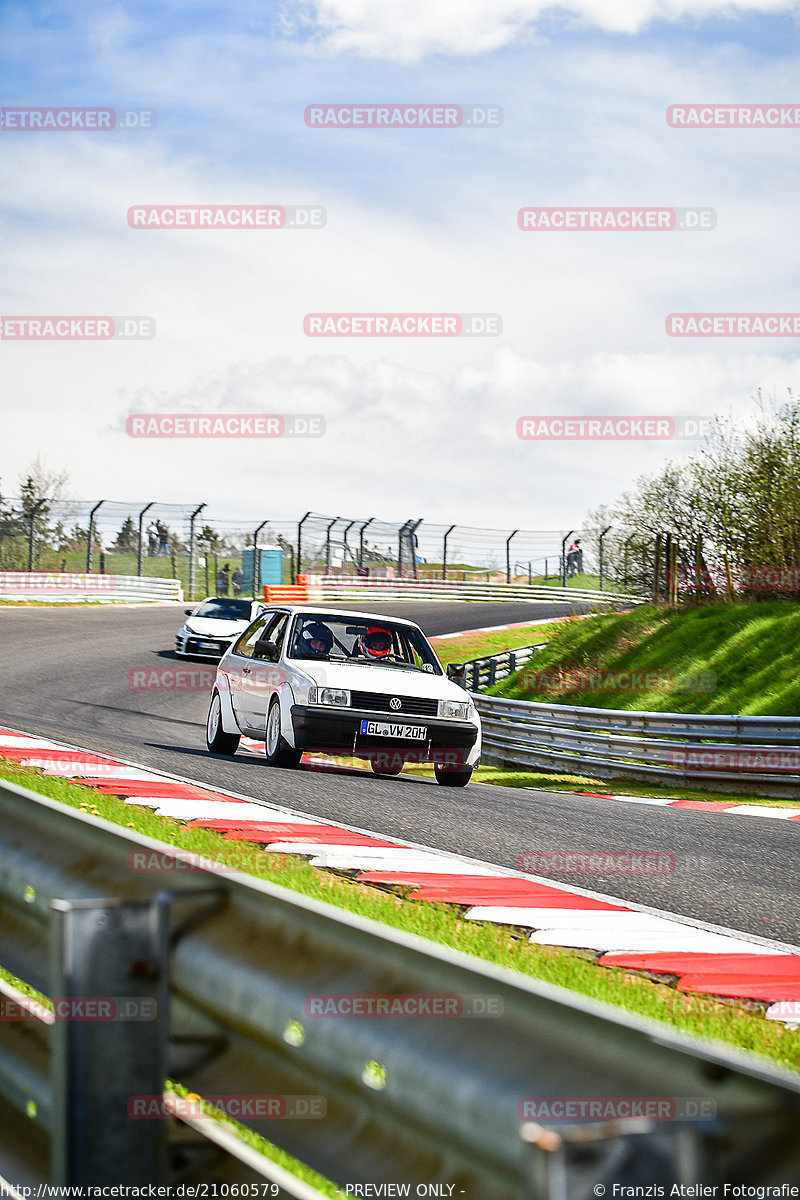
[(328, 544), (256, 576), (300, 545), (101, 1066), (361, 533), (90, 535), (602, 535), (508, 555), (139, 550), (564, 541), (444, 553), (192, 520), (35, 508)]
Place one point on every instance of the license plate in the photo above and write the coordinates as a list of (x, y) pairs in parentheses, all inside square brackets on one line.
[(209, 645), (417, 733)]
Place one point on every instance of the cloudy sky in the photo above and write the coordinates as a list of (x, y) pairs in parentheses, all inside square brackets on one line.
[(418, 220)]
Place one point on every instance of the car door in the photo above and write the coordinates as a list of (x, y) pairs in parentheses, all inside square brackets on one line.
[(239, 668), (260, 677), (266, 675)]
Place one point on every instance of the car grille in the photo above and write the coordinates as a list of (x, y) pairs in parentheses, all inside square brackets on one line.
[(380, 702)]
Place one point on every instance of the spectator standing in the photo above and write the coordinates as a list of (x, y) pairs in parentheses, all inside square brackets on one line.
[(152, 540), (163, 538), (223, 580), (574, 558), (237, 579)]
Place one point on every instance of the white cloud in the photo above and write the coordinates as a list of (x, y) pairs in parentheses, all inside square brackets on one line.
[(407, 30)]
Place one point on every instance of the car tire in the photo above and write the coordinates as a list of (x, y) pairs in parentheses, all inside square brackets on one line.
[(448, 777), (278, 751), (217, 740)]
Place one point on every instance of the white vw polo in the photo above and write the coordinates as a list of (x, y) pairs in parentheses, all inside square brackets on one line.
[(306, 678)]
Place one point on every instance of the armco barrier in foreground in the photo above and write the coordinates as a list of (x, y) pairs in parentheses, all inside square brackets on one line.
[(56, 585), (333, 587), (228, 963), (727, 753)]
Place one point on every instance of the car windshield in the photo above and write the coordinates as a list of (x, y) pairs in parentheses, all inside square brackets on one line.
[(224, 610), (361, 641)]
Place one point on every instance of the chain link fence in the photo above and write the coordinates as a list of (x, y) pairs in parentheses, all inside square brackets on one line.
[(210, 554)]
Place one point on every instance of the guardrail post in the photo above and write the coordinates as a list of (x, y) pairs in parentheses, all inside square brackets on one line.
[(109, 1044)]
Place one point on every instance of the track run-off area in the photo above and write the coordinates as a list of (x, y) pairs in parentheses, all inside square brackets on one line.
[(70, 674)]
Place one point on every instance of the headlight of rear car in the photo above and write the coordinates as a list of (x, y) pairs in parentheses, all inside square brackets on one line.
[(337, 696), (457, 710)]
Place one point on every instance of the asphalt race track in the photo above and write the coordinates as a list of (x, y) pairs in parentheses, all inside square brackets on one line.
[(65, 675)]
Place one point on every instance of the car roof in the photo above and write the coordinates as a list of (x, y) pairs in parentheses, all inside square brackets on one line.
[(321, 610)]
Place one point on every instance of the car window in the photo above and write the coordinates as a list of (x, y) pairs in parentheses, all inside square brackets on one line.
[(378, 641), (251, 635), (224, 610), (277, 631)]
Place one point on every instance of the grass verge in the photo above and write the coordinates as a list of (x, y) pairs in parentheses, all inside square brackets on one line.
[(735, 1023)]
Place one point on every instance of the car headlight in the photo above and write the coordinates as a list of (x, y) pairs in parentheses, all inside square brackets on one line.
[(339, 697), (456, 710), (186, 630)]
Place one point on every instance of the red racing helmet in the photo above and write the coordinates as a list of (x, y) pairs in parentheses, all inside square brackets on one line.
[(377, 641)]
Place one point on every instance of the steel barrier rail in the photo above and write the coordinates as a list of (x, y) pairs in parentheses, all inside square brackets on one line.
[(484, 672), (615, 744), (56, 585), (229, 965), (322, 587)]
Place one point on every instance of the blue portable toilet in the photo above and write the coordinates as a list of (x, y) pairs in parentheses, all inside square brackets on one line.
[(268, 568)]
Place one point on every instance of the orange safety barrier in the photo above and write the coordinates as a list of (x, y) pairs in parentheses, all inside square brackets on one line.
[(287, 593)]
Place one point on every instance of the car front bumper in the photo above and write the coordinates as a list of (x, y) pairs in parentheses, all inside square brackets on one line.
[(338, 730), (190, 647)]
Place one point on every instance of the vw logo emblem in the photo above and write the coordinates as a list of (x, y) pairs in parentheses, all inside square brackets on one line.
[(394, 704)]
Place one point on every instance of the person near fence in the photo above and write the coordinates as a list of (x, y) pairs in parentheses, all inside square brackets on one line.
[(152, 540), (163, 538), (574, 559), (237, 579), (223, 580)]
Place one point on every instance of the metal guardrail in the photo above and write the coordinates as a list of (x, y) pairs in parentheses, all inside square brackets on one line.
[(333, 587), (760, 754), (57, 585), (483, 672), (228, 964)]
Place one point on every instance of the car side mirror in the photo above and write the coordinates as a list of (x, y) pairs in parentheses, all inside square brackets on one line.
[(188, 612), (458, 673), (264, 648)]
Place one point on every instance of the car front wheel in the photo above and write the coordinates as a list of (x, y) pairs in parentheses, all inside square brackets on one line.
[(217, 740), (452, 778), (279, 752)]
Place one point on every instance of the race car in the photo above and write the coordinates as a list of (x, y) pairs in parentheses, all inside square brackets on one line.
[(302, 678), (213, 625)]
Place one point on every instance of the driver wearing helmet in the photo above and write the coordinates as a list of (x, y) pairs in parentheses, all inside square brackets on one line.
[(375, 642), (316, 639)]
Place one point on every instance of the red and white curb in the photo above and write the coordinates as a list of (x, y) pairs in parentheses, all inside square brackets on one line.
[(741, 810), (705, 959), (444, 637)]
